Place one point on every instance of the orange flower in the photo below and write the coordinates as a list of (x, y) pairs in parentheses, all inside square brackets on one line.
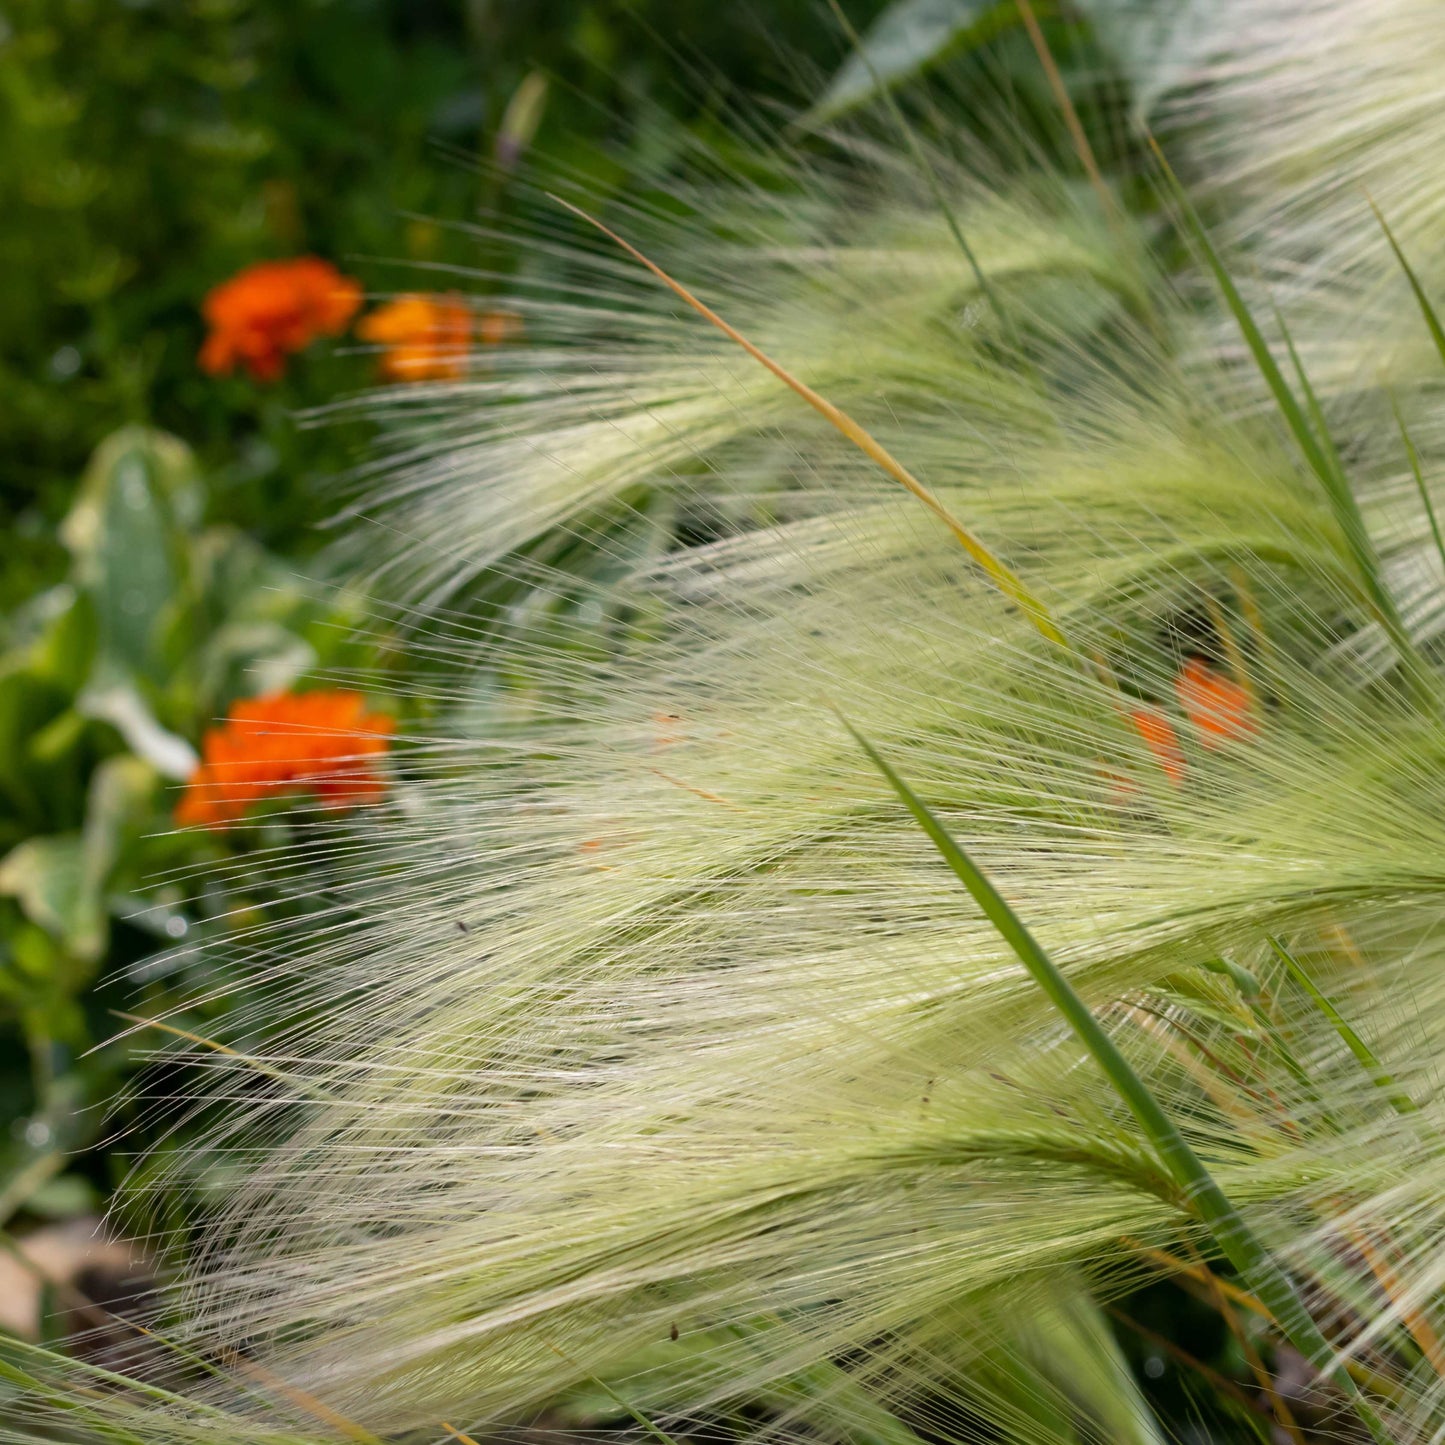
[(1220, 708), (426, 337), (324, 743), (1161, 740), (495, 327), (270, 310)]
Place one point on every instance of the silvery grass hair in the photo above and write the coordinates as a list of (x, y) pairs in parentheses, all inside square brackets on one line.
[(942, 825)]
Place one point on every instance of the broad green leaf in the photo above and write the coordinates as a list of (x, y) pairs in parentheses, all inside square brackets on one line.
[(126, 534), (55, 632), (59, 879), (908, 38), (244, 658), (47, 878), (114, 698), (66, 649), (121, 789), (172, 470)]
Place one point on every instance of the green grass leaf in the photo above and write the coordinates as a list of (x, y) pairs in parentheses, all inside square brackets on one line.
[(1401, 1102), (1234, 1237)]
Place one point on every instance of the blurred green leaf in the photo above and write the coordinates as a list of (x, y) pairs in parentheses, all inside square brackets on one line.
[(244, 658), (521, 118), (113, 698), (63, 1198), (47, 877), (910, 37), (28, 702), (58, 737), (59, 880), (168, 468), (121, 790), (136, 497), (65, 651), (36, 1152)]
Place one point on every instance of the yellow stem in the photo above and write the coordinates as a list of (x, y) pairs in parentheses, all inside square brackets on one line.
[(1421, 1331), (1003, 576), (1066, 105), (317, 1409), (1262, 1376), (457, 1434)]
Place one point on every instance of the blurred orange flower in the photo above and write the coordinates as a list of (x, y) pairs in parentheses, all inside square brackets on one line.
[(325, 743), (495, 327), (273, 309), (427, 338), (1160, 738), (1220, 708)]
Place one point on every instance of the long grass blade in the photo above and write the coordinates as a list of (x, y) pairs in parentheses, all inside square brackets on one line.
[(1321, 456), (1414, 458), (1400, 1101), (653, 1429), (1234, 1237), (1432, 320), (1366, 558), (68, 1404)]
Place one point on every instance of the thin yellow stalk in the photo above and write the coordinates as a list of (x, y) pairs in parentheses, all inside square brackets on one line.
[(1200, 1273), (1262, 1377), (457, 1434), (1415, 1322), (1221, 1383), (317, 1409), (1003, 577), (697, 792), (269, 1070), (1066, 105)]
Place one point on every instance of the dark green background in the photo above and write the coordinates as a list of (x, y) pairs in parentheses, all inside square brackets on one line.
[(149, 149)]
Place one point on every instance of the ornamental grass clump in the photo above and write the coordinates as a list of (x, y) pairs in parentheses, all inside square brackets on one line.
[(680, 1056)]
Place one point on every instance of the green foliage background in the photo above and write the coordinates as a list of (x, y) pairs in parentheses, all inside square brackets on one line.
[(158, 521)]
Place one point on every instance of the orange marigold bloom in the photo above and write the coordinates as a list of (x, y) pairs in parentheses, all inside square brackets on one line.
[(1160, 738), (495, 327), (273, 309), (324, 743), (1220, 708), (427, 338)]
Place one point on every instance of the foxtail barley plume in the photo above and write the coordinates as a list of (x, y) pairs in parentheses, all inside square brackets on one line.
[(652, 1062)]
